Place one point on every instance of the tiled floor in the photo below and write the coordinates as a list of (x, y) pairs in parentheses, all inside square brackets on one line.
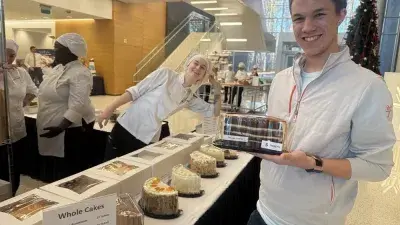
[(377, 203)]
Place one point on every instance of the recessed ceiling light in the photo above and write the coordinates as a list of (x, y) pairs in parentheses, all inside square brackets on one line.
[(45, 17), (236, 40), (69, 17), (202, 2), (226, 14), (205, 40), (215, 9), (231, 23)]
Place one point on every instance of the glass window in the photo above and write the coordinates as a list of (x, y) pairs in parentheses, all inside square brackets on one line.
[(387, 50)]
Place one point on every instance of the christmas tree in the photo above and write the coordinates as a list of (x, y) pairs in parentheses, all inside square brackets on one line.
[(362, 36)]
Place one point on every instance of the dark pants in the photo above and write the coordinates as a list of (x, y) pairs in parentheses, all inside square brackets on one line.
[(256, 219), (36, 75), (207, 92), (17, 148), (235, 90), (77, 153), (228, 92), (120, 142)]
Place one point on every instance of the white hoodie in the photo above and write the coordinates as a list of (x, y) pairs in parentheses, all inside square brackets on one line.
[(344, 113)]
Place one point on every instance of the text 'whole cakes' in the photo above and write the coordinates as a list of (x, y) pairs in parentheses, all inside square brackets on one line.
[(203, 164), (252, 133), (185, 181), (159, 198)]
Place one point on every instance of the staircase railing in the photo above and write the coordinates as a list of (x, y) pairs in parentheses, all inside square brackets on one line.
[(158, 55)]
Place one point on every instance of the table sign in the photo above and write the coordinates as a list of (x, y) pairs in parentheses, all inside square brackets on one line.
[(96, 211)]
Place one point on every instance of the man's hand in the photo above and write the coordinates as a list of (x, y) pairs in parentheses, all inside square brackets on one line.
[(31, 69), (52, 132), (296, 159)]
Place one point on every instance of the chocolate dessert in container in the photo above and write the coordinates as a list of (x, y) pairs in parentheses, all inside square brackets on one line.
[(252, 133)]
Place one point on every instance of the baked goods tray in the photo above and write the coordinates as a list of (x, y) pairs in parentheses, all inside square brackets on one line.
[(244, 148)]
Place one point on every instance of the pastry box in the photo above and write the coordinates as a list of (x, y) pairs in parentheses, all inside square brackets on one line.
[(192, 139), (27, 209), (5, 190), (251, 133), (128, 211), (181, 152), (83, 186), (208, 139), (161, 162), (128, 174)]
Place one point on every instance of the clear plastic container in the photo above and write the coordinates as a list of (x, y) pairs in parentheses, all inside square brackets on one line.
[(128, 211), (252, 133)]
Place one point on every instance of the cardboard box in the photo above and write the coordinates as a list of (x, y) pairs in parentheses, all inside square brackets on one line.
[(83, 186), (161, 162), (130, 180), (190, 139), (208, 139), (52, 201), (5, 190), (181, 152)]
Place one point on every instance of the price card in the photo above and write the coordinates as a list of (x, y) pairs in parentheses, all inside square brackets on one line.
[(96, 211), (210, 125)]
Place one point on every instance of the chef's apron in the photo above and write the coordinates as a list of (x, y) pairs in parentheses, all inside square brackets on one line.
[(50, 114)]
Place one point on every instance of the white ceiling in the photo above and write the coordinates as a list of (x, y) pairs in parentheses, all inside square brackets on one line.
[(30, 10)]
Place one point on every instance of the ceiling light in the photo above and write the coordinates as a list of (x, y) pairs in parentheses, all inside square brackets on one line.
[(214, 9), (205, 40), (45, 17), (226, 14), (236, 40), (231, 23), (202, 2)]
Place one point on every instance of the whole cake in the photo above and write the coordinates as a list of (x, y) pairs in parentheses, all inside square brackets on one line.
[(185, 181), (212, 151), (159, 199), (252, 133), (203, 164)]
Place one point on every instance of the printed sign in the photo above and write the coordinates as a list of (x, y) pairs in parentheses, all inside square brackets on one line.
[(96, 211), (236, 138), (271, 145)]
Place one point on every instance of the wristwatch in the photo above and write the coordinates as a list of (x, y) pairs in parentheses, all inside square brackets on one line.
[(319, 163)]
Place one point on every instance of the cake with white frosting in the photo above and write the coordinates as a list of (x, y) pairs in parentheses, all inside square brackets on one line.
[(159, 198), (185, 181), (212, 151), (203, 164)]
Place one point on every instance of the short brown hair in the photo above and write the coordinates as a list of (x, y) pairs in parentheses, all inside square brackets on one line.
[(339, 4)]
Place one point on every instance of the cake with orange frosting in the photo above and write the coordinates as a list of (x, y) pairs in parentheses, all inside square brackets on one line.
[(159, 198)]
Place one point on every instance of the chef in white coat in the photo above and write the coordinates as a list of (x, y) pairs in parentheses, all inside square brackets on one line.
[(22, 91), (66, 113), (242, 78), (154, 99)]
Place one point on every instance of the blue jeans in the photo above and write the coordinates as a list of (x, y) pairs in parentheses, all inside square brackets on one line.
[(256, 219)]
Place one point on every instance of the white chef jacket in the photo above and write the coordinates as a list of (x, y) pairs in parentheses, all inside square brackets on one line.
[(241, 75), (30, 61), (64, 94), (19, 85), (155, 98), (229, 76)]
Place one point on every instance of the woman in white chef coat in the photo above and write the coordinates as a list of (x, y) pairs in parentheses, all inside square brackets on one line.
[(154, 99), (22, 91), (241, 77), (66, 114), (229, 77)]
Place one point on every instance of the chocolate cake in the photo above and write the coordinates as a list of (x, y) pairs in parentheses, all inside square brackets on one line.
[(252, 133)]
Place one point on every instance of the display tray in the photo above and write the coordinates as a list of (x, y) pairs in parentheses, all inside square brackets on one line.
[(221, 164), (182, 195), (244, 148), (234, 157), (210, 176), (162, 217)]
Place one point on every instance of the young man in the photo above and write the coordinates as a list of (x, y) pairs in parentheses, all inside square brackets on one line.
[(34, 61), (340, 130)]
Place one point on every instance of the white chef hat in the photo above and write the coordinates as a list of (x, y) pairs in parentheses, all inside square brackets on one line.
[(242, 65), (11, 44), (75, 43)]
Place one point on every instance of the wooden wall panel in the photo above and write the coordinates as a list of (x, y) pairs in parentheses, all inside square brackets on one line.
[(118, 45)]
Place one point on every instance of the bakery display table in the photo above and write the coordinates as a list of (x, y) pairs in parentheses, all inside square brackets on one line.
[(229, 199)]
